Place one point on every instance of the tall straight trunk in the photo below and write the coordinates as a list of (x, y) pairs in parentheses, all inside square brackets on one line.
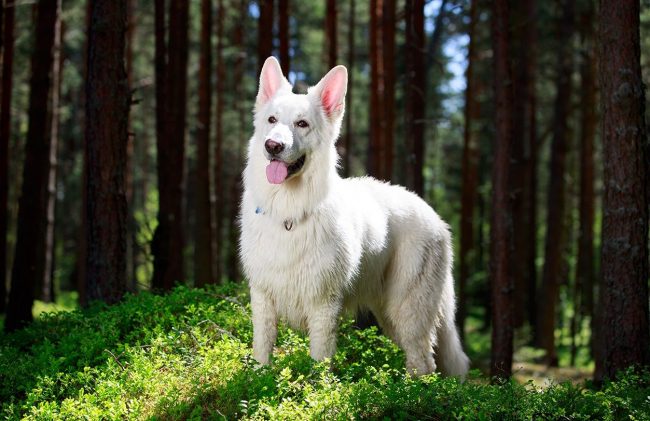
[(585, 271), (264, 32), (28, 266), (46, 285), (5, 133), (388, 103), (130, 154), (415, 95), (168, 238), (470, 172), (107, 113), (220, 196), (347, 137), (331, 30), (376, 141), (624, 258), (203, 247), (501, 228), (284, 35), (530, 170), (554, 246)]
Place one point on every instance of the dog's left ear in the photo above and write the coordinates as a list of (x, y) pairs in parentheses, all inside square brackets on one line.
[(331, 90)]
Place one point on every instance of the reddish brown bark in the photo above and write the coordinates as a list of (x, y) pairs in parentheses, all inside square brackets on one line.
[(5, 132), (501, 228), (264, 32), (470, 172), (346, 147), (284, 35), (32, 211), (107, 113), (331, 33), (220, 196), (388, 102), (203, 233), (168, 241), (624, 258), (376, 141), (555, 241)]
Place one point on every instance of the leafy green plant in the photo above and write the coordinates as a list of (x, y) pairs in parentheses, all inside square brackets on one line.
[(187, 355)]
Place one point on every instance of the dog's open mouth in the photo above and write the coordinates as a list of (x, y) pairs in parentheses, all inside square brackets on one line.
[(277, 171)]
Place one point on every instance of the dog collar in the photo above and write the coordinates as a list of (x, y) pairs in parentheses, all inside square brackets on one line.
[(288, 223)]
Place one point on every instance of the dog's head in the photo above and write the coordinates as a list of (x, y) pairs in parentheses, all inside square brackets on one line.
[(291, 129)]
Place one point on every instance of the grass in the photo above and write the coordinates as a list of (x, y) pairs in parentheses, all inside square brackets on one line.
[(186, 355)]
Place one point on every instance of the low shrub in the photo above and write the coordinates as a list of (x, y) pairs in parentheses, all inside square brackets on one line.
[(186, 355)]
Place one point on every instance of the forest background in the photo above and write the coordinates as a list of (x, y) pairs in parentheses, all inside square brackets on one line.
[(431, 83)]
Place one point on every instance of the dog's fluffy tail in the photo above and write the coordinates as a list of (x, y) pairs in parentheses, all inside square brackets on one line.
[(450, 357)]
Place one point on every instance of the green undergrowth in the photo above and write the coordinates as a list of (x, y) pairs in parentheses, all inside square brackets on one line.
[(186, 355)]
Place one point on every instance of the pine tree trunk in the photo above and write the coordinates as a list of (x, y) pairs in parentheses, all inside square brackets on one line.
[(346, 149), (130, 155), (46, 289), (220, 195), (555, 241), (376, 141), (624, 258), (501, 228), (28, 265), (284, 35), (388, 103), (264, 32), (585, 271), (470, 172), (168, 239), (331, 33), (107, 112), (5, 133), (203, 246)]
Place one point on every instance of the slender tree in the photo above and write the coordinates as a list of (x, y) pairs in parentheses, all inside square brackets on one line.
[(5, 127), (167, 245), (624, 258), (388, 101), (130, 152), (203, 247), (107, 114), (347, 137), (376, 141), (264, 32), (331, 33), (220, 196), (32, 212), (554, 246), (469, 192), (284, 35), (501, 229)]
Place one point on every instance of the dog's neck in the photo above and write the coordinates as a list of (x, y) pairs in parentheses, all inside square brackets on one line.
[(293, 201)]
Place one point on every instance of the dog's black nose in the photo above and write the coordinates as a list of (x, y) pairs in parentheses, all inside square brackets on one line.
[(273, 147)]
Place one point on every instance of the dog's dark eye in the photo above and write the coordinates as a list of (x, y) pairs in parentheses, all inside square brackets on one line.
[(273, 120), (302, 124)]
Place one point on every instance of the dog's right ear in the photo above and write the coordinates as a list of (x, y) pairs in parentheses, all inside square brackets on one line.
[(271, 81)]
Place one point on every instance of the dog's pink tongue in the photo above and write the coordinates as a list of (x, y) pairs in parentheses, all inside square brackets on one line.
[(276, 172)]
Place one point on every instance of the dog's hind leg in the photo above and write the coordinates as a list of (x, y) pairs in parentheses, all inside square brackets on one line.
[(449, 351)]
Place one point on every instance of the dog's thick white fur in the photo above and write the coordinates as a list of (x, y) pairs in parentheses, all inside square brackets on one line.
[(314, 245)]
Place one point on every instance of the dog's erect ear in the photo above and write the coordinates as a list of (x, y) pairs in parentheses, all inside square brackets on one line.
[(331, 89), (271, 80)]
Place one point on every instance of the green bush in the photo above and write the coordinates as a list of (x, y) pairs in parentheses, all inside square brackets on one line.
[(187, 355)]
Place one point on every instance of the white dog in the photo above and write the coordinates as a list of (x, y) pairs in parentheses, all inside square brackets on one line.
[(314, 245)]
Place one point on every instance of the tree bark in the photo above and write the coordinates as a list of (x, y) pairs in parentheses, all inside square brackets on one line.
[(469, 171), (130, 154), (346, 149), (28, 265), (5, 133), (501, 226), (107, 113), (264, 32), (331, 33), (220, 195), (376, 141), (168, 238), (624, 258), (555, 240), (203, 247), (284, 35), (388, 103)]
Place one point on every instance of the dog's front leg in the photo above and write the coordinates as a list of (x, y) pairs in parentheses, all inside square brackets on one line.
[(265, 326), (323, 323)]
